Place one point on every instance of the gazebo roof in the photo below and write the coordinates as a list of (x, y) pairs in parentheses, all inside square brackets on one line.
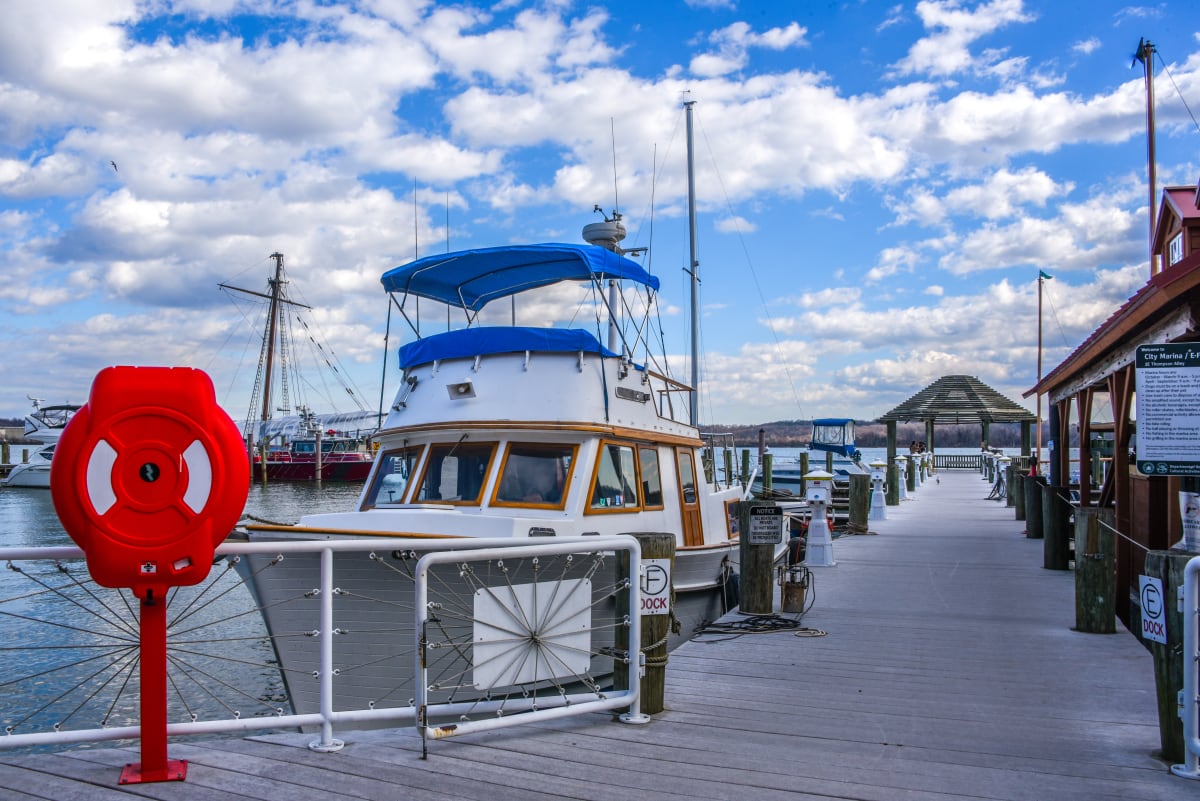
[(959, 399)]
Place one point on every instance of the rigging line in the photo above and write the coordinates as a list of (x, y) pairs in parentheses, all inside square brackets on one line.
[(1177, 91), (1054, 314), (750, 264)]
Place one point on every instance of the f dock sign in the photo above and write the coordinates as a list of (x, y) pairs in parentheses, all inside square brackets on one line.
[(656, 586)]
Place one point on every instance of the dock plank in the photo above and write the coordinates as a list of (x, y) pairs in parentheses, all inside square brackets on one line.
[(947, 670)]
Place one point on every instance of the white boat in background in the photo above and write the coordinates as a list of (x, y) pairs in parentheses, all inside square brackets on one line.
[(43, 425)]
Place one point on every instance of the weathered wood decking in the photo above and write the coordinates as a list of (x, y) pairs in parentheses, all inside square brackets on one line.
[(949, 671)]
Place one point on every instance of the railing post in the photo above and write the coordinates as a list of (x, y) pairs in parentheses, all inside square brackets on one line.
[(327, 743), (1189, 706)]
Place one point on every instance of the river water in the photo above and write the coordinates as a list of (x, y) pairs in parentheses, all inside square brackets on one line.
[(69, 647)]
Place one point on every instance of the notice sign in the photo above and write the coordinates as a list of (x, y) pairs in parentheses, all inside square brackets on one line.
[(656, 586), (1168, 409), (1154, 612), (766, 525)]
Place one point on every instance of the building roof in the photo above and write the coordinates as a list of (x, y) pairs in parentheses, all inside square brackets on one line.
[(1169, 289), (959, 399)]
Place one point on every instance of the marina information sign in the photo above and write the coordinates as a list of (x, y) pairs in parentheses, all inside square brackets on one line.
[(766, 525), (1168, 409)]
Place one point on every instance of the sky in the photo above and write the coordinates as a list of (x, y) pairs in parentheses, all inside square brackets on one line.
[(879, 184)]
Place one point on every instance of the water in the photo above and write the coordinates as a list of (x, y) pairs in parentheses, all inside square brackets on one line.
[(69, 646)]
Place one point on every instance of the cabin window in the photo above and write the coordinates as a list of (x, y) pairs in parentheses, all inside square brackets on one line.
[(616, 479), (652, 494), (390, 483), (687, 477), (454, 473), (535, 475)]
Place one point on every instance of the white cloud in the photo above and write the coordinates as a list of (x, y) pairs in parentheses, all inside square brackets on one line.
[(733, 42), (1086, 46), (946, 50)]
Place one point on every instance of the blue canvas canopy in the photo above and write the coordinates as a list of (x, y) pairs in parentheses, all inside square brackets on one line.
[(833, 434), (484, 340), (472, 278)]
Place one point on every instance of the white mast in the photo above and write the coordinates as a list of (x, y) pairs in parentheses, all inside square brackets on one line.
[(694, 270)]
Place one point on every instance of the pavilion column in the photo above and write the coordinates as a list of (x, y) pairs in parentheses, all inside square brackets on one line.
[(987, 434), (929, 434), (893, 488), (1026, 447), (1083, 410)]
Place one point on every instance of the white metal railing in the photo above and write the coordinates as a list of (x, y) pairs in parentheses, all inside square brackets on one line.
[(1189, 696), (463, 551)]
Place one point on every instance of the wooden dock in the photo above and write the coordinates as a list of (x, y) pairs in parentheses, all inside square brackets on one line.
[(947, 670)]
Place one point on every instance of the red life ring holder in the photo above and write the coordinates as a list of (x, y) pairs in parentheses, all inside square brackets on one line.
[(149, 477)]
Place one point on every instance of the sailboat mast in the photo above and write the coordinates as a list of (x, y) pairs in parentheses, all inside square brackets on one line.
[(694, 269), (272, 322), (1145, 54)]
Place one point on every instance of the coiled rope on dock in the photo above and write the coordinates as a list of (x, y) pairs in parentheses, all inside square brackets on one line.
[(755, 624)]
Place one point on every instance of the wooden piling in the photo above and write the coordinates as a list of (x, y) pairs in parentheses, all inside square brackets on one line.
[(745, 477), (1010, 497), (757, 565), (1095, 571), (655, 628), (1017, 490), (1033, 506), (860, 503), (1056, 553), (1168, 567), (892, 490), (4, 454)]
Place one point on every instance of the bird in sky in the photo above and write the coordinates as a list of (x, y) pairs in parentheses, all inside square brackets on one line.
[(114, 166)]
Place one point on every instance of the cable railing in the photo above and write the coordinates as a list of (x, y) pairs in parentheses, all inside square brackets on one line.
[(563, 609)]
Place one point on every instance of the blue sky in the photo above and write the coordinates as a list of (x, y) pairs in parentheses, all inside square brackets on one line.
[(879, 183)]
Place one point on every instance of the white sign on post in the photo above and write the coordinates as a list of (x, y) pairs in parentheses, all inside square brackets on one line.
[(656, 586), (1154, 611)]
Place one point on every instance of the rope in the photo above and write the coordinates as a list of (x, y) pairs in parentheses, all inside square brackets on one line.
[(1123, 536), (755, 624)]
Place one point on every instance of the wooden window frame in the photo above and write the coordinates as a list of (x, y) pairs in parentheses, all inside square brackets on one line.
[(547, 446)]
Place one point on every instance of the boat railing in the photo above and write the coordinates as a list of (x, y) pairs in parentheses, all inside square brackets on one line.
[(72, 645), (720, 459)]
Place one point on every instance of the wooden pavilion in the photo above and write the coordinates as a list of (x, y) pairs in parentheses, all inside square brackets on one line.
[(957, 400), (1101, 372)]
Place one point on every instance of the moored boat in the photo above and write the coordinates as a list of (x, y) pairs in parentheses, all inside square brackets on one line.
[(513, 432), (43, 425)]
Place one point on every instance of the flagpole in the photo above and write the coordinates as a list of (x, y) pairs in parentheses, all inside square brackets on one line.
[(1037, 464)]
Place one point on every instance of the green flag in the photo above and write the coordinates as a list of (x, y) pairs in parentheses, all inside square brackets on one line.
[(1044, 274)]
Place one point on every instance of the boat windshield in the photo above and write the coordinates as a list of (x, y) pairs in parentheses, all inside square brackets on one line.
[(455, 473), (534, 474), (616, 477), (391, 478)]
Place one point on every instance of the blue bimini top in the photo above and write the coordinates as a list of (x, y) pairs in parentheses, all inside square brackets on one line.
[(470, 279), (484, 340)]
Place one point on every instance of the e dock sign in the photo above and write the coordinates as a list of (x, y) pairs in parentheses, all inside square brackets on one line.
[(1168, 409), (1154, 612)]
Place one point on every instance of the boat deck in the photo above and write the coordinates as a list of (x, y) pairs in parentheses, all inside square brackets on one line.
[(948, 670)]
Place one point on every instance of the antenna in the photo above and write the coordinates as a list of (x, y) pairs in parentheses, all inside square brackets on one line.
[(616, 201)]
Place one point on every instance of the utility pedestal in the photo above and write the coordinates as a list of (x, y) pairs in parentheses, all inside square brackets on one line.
[(819, 545)]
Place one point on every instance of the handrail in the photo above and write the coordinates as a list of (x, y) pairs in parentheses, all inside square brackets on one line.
[(461, 549), (1189, 700)]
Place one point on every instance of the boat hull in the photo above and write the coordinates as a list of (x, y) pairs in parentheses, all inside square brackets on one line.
[(36, 476), (375, 649), (306, 471)]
